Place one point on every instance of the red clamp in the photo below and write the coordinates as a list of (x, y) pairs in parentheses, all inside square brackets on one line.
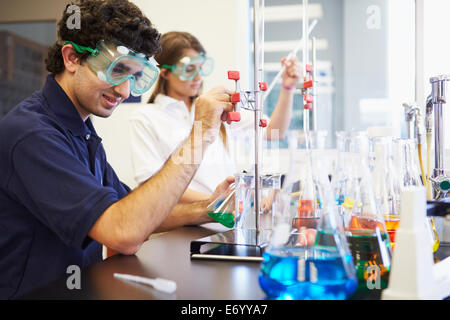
[(263, 123), (262, 86), (234, 75), (309, 68), (308, 98), (233, 116), (308, 106), (307, 84), (235, 97)]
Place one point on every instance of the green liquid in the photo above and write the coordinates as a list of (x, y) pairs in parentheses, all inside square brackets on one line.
[(225, 218), (372, 258)]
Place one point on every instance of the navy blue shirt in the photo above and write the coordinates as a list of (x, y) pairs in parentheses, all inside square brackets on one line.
[(55, 183)]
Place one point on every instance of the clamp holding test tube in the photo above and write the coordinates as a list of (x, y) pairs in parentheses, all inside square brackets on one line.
[(244, 99)]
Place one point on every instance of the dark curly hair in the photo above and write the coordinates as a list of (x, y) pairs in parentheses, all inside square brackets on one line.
[(108, 20)]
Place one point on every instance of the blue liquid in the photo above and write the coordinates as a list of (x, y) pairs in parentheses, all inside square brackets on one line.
[(286, 275)]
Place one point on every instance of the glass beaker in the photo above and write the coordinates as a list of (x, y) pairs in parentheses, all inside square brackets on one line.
[(364, 224), (310, 263), (386, 184), (245, 199)]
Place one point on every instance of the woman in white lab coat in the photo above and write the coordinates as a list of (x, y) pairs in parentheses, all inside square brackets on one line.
[(159, 127)]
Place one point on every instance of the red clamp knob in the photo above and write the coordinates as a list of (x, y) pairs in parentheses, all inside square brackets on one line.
[(236, 97), (309, 68), (308, 98), (263, 123), (263, 86), (308, 106), (233, 116), (308, 84), (233, 75)]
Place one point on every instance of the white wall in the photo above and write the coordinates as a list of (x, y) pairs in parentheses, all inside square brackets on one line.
[(437, 50), (222, 28)]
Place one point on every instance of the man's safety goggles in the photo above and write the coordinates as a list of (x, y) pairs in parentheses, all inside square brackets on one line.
[(114, 63), (188, 67)]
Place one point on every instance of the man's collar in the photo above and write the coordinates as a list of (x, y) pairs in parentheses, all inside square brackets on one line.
[(63, 108)]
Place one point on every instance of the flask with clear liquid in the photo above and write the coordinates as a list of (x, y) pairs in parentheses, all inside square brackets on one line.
[(406, 161), (313, 262)]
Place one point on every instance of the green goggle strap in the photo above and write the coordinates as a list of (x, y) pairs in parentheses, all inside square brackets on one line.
[(167, 66), (82, 49)]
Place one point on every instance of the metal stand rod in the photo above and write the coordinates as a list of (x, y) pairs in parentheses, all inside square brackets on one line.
[(305, 57), (313, 89), (258, 40)]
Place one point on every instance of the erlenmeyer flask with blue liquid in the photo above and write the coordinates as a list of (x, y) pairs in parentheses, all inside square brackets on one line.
[(312, 263)]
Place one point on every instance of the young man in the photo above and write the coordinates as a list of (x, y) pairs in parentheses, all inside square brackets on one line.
[(59, 198)]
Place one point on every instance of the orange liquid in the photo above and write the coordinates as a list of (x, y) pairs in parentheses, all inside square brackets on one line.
[(305, 215), (360, 224), (308, 223), (305, 208), (392, 223)]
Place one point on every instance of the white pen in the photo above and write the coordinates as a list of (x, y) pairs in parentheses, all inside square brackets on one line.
[(163, 285)]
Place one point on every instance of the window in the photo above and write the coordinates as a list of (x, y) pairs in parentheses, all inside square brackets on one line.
[(23, 49), (365, 60)]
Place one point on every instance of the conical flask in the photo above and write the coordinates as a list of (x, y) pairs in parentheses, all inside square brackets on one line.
[(308, 187), (385, 180), (406, 161), (364, 224), (221, 209), (344, 176), (308, 263)]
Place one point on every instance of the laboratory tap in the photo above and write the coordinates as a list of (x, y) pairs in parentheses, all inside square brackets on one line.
[(434, 106), (413, 116)]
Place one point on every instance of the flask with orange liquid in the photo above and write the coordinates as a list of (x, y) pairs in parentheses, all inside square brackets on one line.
[(310, 187), (364, 224), (386, 184)]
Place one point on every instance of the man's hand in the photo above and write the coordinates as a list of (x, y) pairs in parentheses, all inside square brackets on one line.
[(209, 110), (291, 74), (221, 188)]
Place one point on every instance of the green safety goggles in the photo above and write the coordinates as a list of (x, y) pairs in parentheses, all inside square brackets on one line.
[(188, 67), (114, 63)]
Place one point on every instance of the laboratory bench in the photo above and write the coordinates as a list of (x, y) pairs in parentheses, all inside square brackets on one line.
[(167, 256)]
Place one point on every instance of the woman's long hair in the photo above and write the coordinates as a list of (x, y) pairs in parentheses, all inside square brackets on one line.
[(173, 45)]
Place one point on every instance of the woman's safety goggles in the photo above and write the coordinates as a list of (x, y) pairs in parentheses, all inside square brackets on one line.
[(188, 67), (114, 63)]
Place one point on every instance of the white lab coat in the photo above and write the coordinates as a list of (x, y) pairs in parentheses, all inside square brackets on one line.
[(158, 129)]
